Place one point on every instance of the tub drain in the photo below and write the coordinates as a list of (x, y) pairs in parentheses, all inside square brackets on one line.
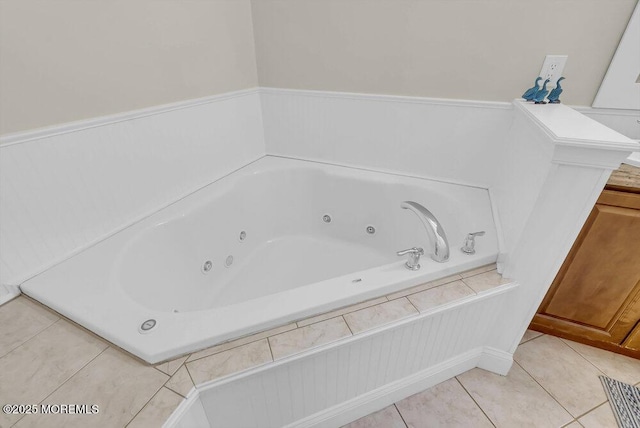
[(326, 218), (146, 326), (242, 236), (371, 230)]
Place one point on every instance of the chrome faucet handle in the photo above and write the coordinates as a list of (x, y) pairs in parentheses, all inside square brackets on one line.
[(469, 246), (414, 257)]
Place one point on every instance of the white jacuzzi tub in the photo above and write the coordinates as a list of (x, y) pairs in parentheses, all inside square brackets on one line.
[(274, 255)]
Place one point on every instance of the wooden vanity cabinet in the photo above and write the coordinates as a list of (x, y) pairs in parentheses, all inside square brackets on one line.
[(595, 298)]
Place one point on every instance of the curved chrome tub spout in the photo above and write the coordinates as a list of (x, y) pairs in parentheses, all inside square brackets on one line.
[(434, 230)]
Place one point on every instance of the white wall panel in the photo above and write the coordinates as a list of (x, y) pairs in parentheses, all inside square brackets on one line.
[(459, 141)]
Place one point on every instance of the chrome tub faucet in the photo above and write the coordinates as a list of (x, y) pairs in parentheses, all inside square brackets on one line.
[(434, 229), (414, 257)]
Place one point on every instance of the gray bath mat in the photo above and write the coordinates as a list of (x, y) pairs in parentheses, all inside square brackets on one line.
[(624, 400)]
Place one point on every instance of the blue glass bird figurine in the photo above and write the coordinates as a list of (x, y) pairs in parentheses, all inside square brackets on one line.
[(554, 95), (541, 94), (531, 92)]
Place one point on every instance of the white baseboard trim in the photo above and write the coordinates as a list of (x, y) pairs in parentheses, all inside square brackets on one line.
[(8, 292), (495, 360), (193, 398)]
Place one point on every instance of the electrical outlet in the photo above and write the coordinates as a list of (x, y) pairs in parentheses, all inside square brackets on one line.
[(552, 68)]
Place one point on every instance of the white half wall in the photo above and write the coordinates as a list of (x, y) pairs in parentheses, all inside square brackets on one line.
[(544, 200), (334, 384), (64, 188)]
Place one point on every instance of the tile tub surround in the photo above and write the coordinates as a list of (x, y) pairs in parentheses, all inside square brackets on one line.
[(76, 360)]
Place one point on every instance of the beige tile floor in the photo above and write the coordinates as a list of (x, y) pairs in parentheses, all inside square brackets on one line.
[(553, 383), (45, 358)]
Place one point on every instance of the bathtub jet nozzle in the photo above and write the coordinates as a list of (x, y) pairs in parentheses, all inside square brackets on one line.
[(206, 267)]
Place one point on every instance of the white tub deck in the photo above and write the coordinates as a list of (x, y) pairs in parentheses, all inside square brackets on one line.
[(291, 265)]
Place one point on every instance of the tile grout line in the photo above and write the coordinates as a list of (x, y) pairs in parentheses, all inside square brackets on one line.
[(190, 377), (591, 410), (173, 390), (545, 389), (386, 299), (414, 306), (170, 376), (474, 400), (73, 375), (348, 326), (401, 417), (234, 347), (32, 337), (145, 405), (188, 374), (421, 291), (596, 367), (533, 338), (270, 349), (268, 337), (66, 380), (585, 358)]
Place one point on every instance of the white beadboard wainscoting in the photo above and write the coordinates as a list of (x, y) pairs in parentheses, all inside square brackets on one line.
[(452, 140), (626, 122), (338, 383), (64, 188)]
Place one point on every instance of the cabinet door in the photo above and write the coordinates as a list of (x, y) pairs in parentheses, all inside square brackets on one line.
[(596, 294)]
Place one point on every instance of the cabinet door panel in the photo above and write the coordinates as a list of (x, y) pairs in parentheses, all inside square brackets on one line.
[(633, 340), (598, 288)]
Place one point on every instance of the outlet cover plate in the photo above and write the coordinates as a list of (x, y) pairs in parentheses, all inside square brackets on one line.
[(552, 68)]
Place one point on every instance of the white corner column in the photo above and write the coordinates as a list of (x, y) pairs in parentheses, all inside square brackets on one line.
[(555, 192)]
